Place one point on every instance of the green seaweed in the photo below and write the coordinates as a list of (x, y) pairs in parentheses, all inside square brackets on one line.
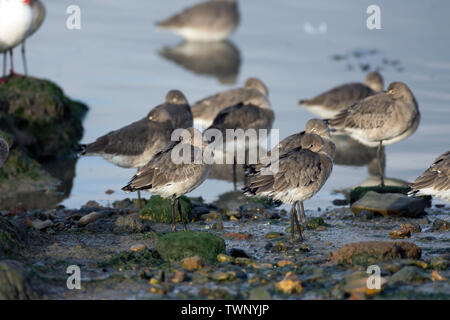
[(159, 210), (178, 245)]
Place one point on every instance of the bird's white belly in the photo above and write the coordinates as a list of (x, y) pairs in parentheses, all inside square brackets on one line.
[(203, 35), (14, 25), (321, 111), (443, 194)]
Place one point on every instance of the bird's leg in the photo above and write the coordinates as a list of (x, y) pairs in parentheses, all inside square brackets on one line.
[(11, 72), (4, 65), (139, 195), (24, 59), (303, 214), (380, 149), (299, 228), (172, 202), (180, 211), (292, 222), (234, 173)]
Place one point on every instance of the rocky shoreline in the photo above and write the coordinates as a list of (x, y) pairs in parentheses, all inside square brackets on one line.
[(240, 253)]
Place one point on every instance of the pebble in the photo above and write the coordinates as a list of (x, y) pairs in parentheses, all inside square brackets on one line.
[(435, 276), (399, 234), (42, 225), (89, 218), (283, 263), (138, 247), (224, 258), (411, 227), (408, 275), (290, 284), (223, 276), (192, 263), (440, 225), (179, 276), (237, 236)]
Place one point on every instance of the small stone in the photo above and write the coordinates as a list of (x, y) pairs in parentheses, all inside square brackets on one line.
[(89, 218), (224, 258), (237, 236), (399, 234), (356, 284), (340, 202), (223, 276), (273, 235), (154, 281), (156, 289), (390, 204), (243, 261), (211, 216), (138, 247), (321, 228), (283, 263), (178, 276), (316, 222), (259, 294), (370, 252), (440, 225), (290, 284), (198, 211), (411, 227), (435, 276), (233, 218), (42, 225), (192, 263), (217, 226), (109, 191), (439, 263), (408, 275), (130, 223)]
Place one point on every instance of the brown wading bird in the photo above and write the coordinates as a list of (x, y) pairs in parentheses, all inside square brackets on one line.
[(381, 119), (435, 181), (331, 102), (208, 21), (297, 175), (135, 144), (4, 151), (253, 113), (294, 141), (171, 179), (206, 110)]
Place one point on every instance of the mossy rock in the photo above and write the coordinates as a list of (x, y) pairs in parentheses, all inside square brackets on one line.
[(178, 245), (159, 210), (12, 239), (20, 174), (315, 222), (266, 202), (49, 123), (13, 282), (360, 192), (130, 259)]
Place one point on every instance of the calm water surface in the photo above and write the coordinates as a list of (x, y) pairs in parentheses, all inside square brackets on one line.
[(122, 66)]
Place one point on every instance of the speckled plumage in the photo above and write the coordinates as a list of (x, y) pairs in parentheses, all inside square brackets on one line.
[(331, 102), (435, 181), (385, 117), (206, 110)]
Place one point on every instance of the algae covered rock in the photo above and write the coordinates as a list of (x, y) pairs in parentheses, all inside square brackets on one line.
[(390, 204), (13, 282), (43, 120), (409, 275), (159, 210), (371, 252), (12, 239), (360, 192), (178, 245), (315, 222)]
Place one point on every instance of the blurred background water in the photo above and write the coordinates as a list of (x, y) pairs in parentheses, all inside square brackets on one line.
[(122, 66)]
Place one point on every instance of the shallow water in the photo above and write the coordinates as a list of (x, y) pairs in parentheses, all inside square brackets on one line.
[(115, 65)]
